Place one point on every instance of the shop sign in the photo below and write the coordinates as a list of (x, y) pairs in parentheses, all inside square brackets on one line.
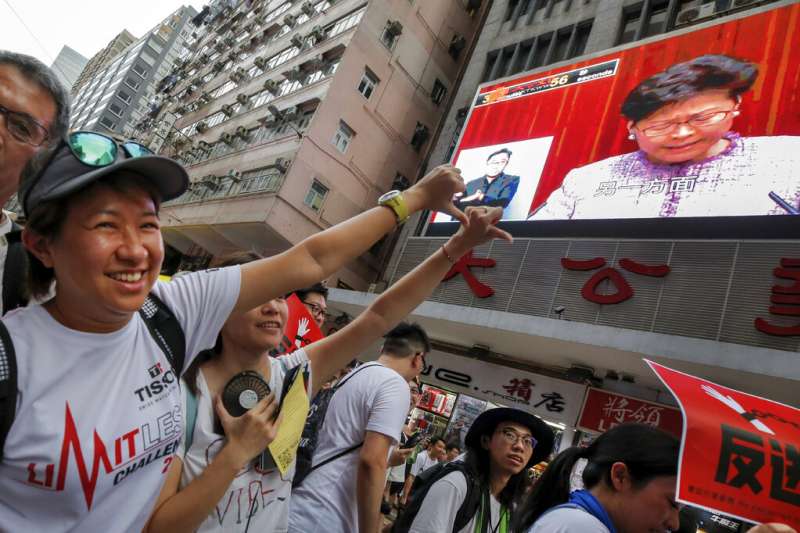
[(554, 399), (602, 410), (740, 454)]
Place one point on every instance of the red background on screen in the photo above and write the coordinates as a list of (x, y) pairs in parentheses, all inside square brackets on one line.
[(585, 119)]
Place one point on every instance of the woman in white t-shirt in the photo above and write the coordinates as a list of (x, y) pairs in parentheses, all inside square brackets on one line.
[(98, 416), (629, 479), (214, 485)]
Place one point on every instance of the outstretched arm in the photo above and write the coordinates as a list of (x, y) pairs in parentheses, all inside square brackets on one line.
[(332, 353), (322, 254)]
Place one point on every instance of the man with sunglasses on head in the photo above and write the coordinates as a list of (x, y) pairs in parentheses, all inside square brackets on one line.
[(480, 491), (365, 417), (34, 112)]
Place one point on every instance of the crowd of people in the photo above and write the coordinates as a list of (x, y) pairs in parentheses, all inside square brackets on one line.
[(113, 392)]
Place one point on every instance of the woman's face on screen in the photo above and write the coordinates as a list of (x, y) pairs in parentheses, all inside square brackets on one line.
[(691, 130)]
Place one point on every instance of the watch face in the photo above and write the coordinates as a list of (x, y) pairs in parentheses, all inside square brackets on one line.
[(388, 196)]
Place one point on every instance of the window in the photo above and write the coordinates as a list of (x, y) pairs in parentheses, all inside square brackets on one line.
[(367, 83), (115, 109), (223, 89), (439, 92), (345, 23), (132, 83), (581, 38), (262, 98), (108, 123), (125, 97), (630, 23), (316, 195), (341, 139), (657, 21), (391, 33), (140, 70), (512, 5), (562, 42)]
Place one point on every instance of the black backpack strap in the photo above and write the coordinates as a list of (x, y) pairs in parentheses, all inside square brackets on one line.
[(336, 456), (14, 271), (472, 500), (422, 485), (166, 330), (8, 385)]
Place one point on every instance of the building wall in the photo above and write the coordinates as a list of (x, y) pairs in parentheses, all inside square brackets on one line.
[(119, 92), (68, 66), (384, 124), (101, 58)]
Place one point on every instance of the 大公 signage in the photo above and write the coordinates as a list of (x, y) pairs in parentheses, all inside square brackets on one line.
[(554, 399)]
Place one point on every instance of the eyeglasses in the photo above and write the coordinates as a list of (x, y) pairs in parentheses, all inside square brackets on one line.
[(512, 437), (99, 150), (315, 309), (424, 362), (24, 128), (701, 120)]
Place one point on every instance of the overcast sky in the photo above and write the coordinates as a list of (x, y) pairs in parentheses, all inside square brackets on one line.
[(85, 26)]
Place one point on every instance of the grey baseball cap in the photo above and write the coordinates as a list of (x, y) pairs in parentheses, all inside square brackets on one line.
[(65, 174)]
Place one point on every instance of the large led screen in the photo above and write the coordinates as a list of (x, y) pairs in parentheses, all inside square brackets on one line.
[(694, 134)]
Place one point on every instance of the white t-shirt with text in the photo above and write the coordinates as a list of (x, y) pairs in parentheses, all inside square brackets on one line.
[(99, 415), (261, 494), (372, 398), (440, 506)]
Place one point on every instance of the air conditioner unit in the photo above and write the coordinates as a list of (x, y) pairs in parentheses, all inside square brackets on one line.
[(234, 175), (291, 113), (271, 86), (243, 99), (210, 182), (260, 62), (204, 146), (242, 133), (227, 138), (694, 14), (181, 109), (227, 109), (229, 41), (202, 126), (290, 20), (298, 41), (204, 99), (394, 27), (218, 66), (308, 9), (318, 33), (282, 164)]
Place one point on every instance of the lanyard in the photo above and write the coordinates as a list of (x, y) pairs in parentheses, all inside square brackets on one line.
[(485, 517)]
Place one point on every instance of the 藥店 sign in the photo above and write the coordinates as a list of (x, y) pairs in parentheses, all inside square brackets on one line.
[(554, 399)]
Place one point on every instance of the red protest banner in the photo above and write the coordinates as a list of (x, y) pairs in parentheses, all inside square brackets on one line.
[(740, 454), (602, 410), (300, 329)]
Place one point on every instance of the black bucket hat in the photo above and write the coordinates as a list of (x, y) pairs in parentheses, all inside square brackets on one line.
[(65, 174), (487, 422)]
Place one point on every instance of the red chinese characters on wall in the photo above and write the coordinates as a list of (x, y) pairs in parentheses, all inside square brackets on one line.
[(624, 291), (463, 266), (785, 300)]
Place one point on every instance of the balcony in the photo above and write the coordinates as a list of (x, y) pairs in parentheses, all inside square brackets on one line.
[(217, 188)]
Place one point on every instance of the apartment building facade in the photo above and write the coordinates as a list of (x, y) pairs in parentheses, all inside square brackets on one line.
[(119, 93), (293, 116), (119, 43)]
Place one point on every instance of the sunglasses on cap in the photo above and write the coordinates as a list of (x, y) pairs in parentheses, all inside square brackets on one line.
[(66, 169), (99, 150)]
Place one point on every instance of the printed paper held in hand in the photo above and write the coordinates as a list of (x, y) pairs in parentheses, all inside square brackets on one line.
[(294, 410)]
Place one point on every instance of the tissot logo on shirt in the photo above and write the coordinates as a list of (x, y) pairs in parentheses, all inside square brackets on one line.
[(122, 456), (158, 387), (155, 370)]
